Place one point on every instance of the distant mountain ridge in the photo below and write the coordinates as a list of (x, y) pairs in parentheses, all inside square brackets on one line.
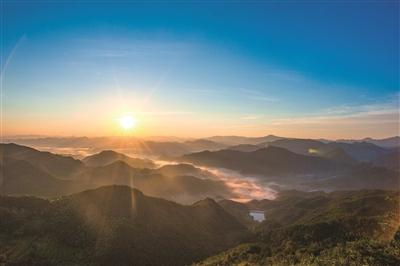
[(27, 171), (391, 142), (360, 151), (236, 140), (390, 160), (167, 146), (331, 168), (19, 177), (106, 157)]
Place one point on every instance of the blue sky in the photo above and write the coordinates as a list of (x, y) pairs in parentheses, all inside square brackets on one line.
[(301, 69)]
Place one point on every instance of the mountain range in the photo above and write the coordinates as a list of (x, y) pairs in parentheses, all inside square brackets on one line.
[(335, 170), (392, 142), (168, 146), (113, 225), (26, 171), (111, 208), (107, 157), (270, 161), (122, 226)]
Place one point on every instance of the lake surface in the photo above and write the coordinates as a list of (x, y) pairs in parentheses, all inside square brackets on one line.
[(258, 216)]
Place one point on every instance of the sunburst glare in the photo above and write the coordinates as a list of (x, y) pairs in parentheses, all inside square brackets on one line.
[(127, 122)]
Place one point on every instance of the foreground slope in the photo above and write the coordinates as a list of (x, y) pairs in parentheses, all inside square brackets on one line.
[(340, 228), (113, 225)]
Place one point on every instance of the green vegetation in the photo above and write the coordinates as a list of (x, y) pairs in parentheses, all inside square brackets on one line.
[(359, 252), (116, 225), (113, 226), (340, 228)]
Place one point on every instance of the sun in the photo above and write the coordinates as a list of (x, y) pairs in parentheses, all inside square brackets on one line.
[(127, 122)]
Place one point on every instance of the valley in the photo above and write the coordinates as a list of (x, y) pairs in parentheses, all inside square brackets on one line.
[(220, 207)]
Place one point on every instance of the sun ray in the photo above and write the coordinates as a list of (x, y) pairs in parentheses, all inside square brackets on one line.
[(127, 122)]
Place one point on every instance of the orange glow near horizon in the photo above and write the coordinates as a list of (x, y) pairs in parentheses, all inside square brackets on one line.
[(133, 116)]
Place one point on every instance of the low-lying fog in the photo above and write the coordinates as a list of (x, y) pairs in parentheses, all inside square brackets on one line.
[(244, 187)]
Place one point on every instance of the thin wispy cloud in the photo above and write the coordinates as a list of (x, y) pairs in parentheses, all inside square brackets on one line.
[(124, 49), (206, 91), (252, 117), (378, 113), (167, 113), (257, 95)]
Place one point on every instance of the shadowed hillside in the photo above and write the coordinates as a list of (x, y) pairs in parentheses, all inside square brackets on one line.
[(360, 151), (265, 161), (54, 164), (30, 176), (113, 225), (335, 169), (106, 157)]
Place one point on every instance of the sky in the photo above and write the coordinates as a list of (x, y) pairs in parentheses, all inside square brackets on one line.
[(317, 69)]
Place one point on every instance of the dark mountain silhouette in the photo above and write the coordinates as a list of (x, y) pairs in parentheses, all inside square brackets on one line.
[(182, 187), (106, 157), (117, 172), (236, 140), (185, 183), (19, 177), (114, 225), (130, 145), (54, 164), (361, 177), (390, 160), (338, 155), (164, 148), (335, 171), (245, 147), (300, 146), (360, 151), (265, 161), (203, 144), (241, 211), (182, 183), (392, 142), (182, 169)]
